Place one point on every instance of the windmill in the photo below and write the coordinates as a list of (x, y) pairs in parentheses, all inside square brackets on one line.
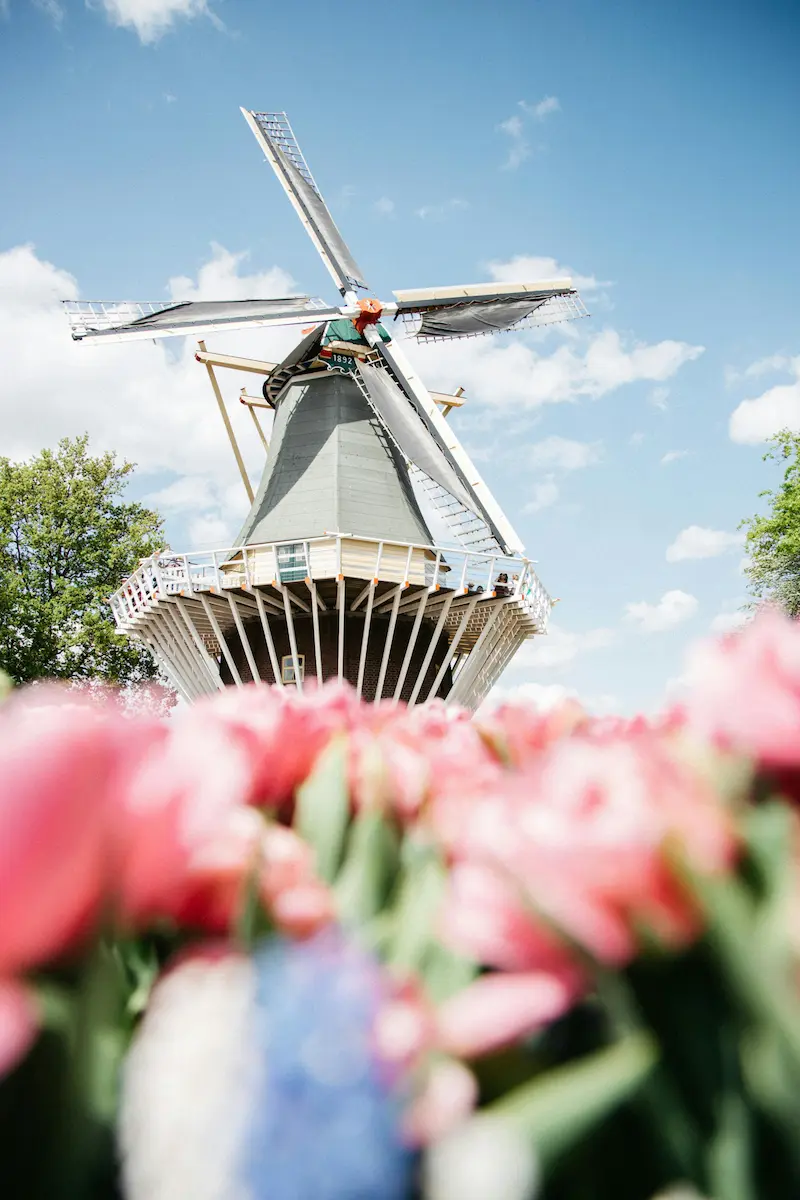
[(336, 572)]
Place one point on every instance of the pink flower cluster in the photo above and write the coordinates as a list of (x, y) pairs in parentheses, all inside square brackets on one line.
[(559, 832)]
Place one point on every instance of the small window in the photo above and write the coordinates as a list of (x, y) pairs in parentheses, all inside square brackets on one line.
[(292, 564), (287, 668)]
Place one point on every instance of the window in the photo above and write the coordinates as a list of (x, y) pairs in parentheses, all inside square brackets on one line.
[(292, 565), (287, 668)]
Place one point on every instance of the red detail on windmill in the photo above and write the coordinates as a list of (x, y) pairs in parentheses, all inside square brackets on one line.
[(370, 314)]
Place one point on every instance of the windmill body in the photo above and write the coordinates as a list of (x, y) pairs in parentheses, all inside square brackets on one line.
[(373, 551)]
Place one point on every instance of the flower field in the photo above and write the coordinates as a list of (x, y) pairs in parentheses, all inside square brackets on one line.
[(300, 948)]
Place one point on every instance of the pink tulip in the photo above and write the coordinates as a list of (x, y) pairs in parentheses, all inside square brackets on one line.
[(399, 756), (518, 732), (57, 764), (448, 1095), (497, 1010), (304, 909), (171, 805), (211, 885), (578, 839), (18, 1023), (744, 691), (280, 733), (485, 918), (405, 1028)]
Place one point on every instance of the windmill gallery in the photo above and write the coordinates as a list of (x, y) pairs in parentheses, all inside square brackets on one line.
[(336, 572)]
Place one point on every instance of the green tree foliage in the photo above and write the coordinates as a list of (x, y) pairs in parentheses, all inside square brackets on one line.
[(773, 540), (67, 540)]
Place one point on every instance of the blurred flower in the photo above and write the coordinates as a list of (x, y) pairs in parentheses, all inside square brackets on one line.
[(744, 691), (580, 837), (398, 755), (57, 764), (448, 1095), (485, 917), (483, 1159), (281, 733), (518, 732), (245, 850), (175, 799), (258, 1078), (18, 1023), (499, 1009)]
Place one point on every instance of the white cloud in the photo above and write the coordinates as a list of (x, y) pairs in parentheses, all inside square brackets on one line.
[(208, 532), (769, 365), (773, 362), (726, 622), (672, 609), (151, 402), (636, 438), (438, 212), (514, 128), (545, 494), (150, 19), (673, 456), (516, 374), (761, 418), (530, 268), (219, 279), (544, 108), (659, 398), (563, 454), (544, 697), (699, 542), (559, 648), (384, 206)]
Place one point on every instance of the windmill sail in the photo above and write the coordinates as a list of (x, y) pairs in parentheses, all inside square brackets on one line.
[(274, 134), (475, 309), (412, 437), (132, 321)]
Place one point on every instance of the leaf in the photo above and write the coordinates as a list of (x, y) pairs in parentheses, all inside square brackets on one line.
[(446, 973), (559, 1108), (369, 869), (323, 809), (420, 896), (760, 986), (729, 1151)]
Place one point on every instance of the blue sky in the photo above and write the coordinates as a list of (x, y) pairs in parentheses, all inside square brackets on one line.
[(651, 148)]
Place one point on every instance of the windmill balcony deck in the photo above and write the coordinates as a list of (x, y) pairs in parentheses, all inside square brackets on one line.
[(399, 621)]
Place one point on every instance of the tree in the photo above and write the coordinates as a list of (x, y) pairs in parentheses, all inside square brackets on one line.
[(67, 540), (773, 540)]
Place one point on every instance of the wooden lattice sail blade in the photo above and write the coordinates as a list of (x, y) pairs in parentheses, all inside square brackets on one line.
[(118, 321), (274, 134), (495, 531), (471, 310), (411, 436)]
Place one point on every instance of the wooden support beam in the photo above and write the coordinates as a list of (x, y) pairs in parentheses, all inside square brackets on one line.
[(255, 365), (248, 487)]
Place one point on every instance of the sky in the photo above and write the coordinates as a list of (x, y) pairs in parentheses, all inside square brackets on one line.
[(648, 150)]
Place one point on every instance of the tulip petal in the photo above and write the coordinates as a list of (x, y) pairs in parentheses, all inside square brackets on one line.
[(18, 1023), (497, 1010)]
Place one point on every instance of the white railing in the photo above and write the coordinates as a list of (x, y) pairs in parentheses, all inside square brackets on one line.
[(446, 569)]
